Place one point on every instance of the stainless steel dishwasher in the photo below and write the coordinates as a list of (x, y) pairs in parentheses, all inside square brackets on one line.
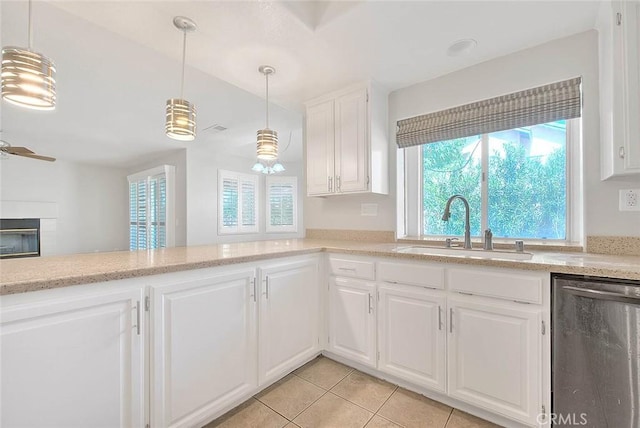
[(596, 352)]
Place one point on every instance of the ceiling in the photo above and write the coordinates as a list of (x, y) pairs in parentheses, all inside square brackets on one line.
[(118, 62)]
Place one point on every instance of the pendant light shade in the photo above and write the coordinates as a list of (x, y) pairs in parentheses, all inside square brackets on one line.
[(28, 78), (267, 146), (180, 120)]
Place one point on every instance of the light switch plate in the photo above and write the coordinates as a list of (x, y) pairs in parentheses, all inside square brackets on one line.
[(629, 200)]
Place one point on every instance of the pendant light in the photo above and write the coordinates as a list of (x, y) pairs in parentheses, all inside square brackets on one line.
[(267, 147), (28, 78), (181, 114)]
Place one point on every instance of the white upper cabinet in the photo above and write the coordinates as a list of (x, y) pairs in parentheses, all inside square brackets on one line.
[(347, 142), (619, 49), (74, 360), (289, 307), (320, 154)]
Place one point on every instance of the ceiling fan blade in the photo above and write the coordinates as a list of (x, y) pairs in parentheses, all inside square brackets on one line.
[(34, 156), (17, 150)]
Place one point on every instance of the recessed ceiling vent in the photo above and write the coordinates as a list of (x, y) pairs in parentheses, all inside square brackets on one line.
[(214, 128)]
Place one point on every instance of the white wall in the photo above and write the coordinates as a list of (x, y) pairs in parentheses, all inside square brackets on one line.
[(557, 60), (179, 160), (202, 196), (91, 200)]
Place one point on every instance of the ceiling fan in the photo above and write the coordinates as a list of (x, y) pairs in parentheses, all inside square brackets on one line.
[(8, 149)]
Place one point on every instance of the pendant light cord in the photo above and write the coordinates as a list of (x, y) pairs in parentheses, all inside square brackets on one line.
[(267, 101), (30, 30), (184, 53)]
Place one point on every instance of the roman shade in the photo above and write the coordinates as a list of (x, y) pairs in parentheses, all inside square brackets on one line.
[(548, 103)]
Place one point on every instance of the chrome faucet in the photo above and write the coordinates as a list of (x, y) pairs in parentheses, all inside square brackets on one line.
[(467, 224)]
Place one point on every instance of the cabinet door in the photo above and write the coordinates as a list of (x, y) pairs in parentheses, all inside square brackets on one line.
[(630, 22), (74, 362), (494, 357), (412, 335), (203, 347), (352, 322), (289, 308), (352, 161), (320, 149)]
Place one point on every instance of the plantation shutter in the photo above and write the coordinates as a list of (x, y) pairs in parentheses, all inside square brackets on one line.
[(548, 103), (230, 202), (149, 209), (238, 202), (248, 203), (281, 204)]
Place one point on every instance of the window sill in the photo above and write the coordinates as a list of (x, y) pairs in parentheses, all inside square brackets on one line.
[(500, 244)]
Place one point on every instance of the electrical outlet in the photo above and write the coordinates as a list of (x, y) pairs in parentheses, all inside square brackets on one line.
[(630, 200)]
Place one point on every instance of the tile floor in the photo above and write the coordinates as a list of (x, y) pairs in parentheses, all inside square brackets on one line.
[(327, 394)]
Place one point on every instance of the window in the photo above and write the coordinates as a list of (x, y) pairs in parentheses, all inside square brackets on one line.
[(282, 200), (515, 158), (514, 180), (238, 202), (151, 207)]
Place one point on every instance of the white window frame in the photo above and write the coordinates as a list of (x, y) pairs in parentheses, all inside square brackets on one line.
[(410, 191), (169, 171), (240, 177), (270, 228)]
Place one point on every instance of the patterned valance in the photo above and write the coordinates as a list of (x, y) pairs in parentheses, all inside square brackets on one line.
[(548, 103)]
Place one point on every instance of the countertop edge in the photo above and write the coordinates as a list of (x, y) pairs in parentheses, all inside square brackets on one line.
[(366, 250)]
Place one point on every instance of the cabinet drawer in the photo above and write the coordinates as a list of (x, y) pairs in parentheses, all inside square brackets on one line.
[(353, 268), (502, 285), (422, 275)]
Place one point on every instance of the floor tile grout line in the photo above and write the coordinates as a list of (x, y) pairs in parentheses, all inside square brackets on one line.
[(448, 418), (385, 402), (271, 408), (362, 407), (306, 408)]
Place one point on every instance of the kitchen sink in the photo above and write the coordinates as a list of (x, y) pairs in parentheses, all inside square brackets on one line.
[(462, 252)]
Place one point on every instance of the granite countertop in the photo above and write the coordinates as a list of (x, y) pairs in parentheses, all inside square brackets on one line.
[(30, 274)]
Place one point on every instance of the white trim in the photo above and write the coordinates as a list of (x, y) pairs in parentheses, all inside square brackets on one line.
[(270, 228), (411, 199), (240, 178), (142, 175)]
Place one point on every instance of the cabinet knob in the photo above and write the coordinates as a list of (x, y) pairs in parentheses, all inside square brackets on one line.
[(621, 152)]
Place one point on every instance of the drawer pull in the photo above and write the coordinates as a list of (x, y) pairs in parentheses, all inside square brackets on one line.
[(450, 320), (439, 318)]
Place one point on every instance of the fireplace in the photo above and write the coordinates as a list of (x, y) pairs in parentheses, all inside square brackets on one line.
[(19, 237)]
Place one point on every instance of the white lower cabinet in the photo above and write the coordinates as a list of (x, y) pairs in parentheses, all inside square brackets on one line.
[(289, 312), (494, 356), (203, 348), (73, 359), (412, 334), (352, 321)]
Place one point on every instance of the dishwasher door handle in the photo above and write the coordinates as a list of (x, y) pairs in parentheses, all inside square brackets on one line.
[(602, 295)]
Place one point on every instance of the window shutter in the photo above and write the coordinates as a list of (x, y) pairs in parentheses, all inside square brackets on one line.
[(238, 195), (142, 215), (230, 202), (248, 203), (281, 204), (548, 103), (149, 211)]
